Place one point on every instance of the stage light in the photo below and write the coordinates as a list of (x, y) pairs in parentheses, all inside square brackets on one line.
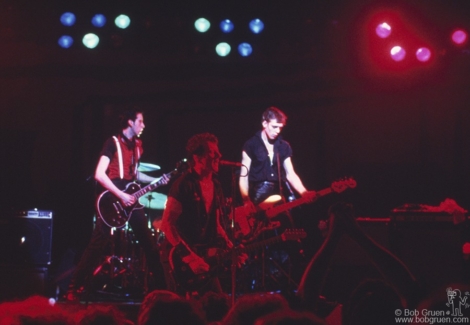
[(423, 54), (256, 26), (459, 37), (202, 25), (397, 53), (383, 30), (223, 49), (98, 20), (245, 49), (91, 40), (122, 21), (226, 26), (67, 19), (65, 41)]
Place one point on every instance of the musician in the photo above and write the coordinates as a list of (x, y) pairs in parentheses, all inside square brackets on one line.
[(117, 167), (194, 215), (270, 171), (268, 159)]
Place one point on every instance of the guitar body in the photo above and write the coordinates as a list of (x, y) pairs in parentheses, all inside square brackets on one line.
[(110, 209), (186, 279), (217, 259)]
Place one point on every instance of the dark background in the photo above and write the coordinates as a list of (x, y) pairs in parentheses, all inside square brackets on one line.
[(401, 131)]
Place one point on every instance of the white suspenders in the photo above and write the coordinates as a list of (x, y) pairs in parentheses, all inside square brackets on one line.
[(119, 152)]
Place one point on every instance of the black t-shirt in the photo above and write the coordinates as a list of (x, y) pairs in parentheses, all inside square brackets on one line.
[(261, 169)]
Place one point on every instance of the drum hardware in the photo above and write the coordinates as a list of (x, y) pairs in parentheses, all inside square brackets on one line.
[(153, 201), (123, 273), (147, 167)]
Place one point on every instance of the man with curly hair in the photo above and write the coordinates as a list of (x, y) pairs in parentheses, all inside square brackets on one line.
[(194, 218)]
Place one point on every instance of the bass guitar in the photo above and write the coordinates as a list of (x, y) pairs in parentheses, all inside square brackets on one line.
[(114, 214), (250, 225), (215, 257)]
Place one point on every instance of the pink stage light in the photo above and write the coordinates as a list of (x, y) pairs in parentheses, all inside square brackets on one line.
[(459, 36), (423, 54), (383, 30), (397, 53)]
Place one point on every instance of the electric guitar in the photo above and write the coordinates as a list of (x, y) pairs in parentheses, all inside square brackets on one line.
[(250, 225), (216, 257), (110, 209)]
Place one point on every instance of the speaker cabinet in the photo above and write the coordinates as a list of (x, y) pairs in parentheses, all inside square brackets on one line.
[(26, 238)]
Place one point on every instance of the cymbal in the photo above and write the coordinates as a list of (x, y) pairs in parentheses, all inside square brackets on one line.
[(153, 200), (146, 167)]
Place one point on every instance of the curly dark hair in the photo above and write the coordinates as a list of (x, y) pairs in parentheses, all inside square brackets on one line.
[(198, 144)]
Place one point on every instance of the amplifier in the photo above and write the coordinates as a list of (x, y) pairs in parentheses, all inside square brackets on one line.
[(421, 217), (26, 238), (34, 214)]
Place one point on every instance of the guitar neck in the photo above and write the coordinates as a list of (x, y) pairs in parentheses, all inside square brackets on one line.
[(151, 186), (274, 211), (259, 245)]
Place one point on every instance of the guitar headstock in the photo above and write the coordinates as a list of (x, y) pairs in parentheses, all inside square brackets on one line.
[(293, 234), (182, 166), (343, 184)]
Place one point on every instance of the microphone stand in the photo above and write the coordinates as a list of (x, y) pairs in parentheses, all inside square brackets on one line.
[(232, 228)]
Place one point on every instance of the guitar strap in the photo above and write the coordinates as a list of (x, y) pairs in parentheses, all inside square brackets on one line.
[(291, 220), (279, 177)]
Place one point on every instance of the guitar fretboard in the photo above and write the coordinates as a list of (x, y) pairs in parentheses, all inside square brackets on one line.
[(151, 187)]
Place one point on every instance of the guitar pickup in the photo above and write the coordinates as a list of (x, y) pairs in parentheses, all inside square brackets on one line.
[(118, 207)]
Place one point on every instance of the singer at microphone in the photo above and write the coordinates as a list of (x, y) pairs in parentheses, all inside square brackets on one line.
[(229, 163)]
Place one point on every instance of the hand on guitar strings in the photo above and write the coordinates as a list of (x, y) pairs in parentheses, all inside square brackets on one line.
[(196, 263), (127, 199)]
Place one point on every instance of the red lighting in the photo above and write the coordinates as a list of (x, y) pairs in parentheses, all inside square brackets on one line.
[(423, 54), (397, 53), (383, 30), (459, 36)]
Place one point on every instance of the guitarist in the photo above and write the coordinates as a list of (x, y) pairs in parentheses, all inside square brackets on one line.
[(267, 157), (268, 160), (194, 215), (116, 168)]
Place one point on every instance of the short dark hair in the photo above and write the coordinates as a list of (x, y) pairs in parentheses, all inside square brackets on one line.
[(130, 114), (198, 144), (274, 113)]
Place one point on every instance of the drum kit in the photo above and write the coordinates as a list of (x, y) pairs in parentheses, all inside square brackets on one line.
[(124, 273)]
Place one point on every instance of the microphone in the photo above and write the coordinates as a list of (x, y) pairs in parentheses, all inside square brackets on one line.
[(230, 163)]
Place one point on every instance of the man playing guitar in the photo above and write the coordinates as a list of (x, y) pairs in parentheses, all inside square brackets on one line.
[(116, 168), (270, 171), (267, 157), (193, 216)]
